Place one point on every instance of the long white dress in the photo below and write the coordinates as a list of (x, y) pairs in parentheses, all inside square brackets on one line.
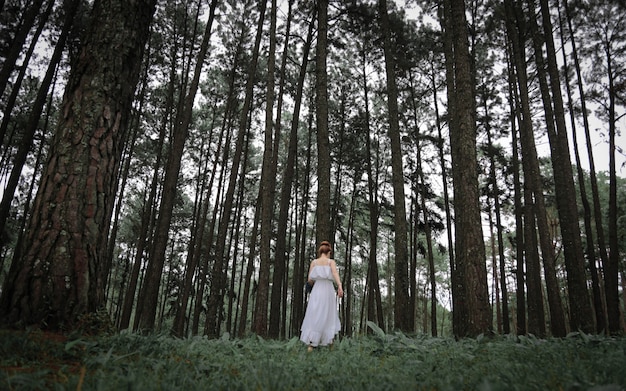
[(321, 320)]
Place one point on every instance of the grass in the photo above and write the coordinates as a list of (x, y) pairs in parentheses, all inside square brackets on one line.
[(128, 361)]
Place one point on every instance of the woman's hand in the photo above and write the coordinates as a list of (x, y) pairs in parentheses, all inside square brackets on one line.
[(340, 292)]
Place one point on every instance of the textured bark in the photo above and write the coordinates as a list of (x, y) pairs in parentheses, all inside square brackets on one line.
[(475, 317), (457, 289), (402, 317), (324, 228), (59, 276)]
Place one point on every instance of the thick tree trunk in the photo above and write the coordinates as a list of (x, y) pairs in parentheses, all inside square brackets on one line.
[(59, 276), (475, 313)]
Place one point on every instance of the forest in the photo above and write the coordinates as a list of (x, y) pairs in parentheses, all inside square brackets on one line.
[(172, 166)]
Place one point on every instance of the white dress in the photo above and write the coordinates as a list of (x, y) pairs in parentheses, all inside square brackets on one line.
[(321, 320)]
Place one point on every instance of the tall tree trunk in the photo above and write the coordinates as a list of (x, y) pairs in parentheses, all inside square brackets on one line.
[(535, 203), (181, 129), (195, 247), (448, 47), (215, 301), (514, 113), (129, 153), (288, 175), (611, 271), (581, 314), (230, 325), (346, 305), (597, 210), (59, 277), (404, 320), (425, 216), (322, 214), (243, 320), (444, 177), (475, 313), (229, 114), (598, 304), (148, 210), (506, 328), (268, 186), (300, 270), (374, 300)]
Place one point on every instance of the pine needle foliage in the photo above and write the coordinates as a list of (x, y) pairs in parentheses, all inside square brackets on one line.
[(381, 361)]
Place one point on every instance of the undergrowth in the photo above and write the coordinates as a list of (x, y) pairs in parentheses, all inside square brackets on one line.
[(129, 361)]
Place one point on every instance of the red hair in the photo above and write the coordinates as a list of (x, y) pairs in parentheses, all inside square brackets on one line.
[(324, 249)]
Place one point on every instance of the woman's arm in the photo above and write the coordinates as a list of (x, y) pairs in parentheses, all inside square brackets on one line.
[(333, 268)]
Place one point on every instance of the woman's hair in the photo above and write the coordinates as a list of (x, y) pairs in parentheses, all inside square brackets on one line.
[(324, 248)]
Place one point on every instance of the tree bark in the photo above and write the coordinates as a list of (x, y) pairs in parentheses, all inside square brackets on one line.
[(288, 175), (475, 313), (597, 210), (403, 319), (535, 203), (268, 187), (322, 214), (59, 276), (598, 305)]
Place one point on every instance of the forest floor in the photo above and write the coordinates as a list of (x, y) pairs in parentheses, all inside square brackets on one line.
[(44, 361)]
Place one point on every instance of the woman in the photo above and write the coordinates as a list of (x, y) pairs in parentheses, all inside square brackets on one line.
[(321, 320)]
